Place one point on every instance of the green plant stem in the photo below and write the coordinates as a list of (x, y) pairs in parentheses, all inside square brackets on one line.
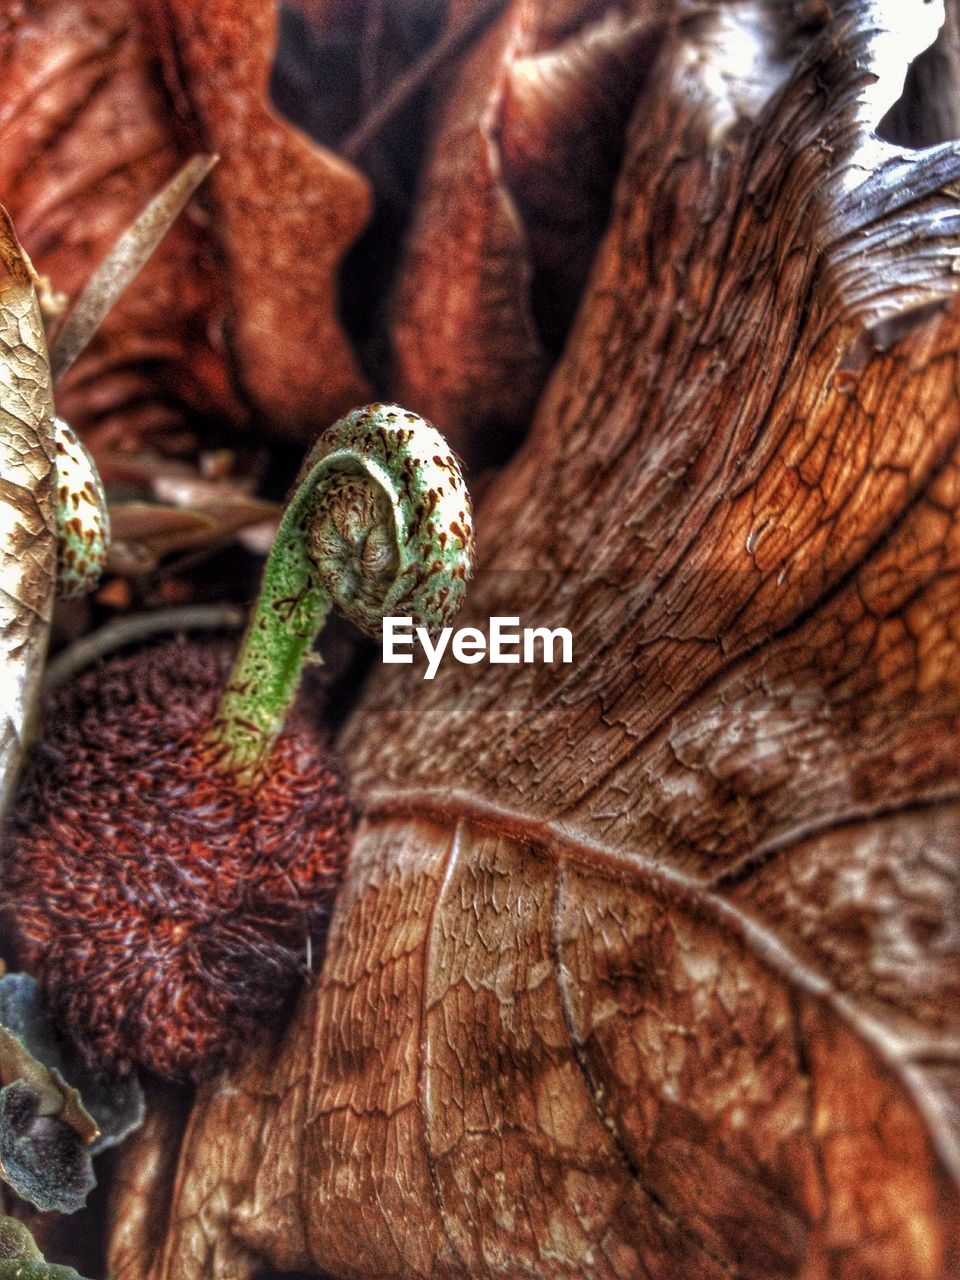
[(379, 523), (287, 617)]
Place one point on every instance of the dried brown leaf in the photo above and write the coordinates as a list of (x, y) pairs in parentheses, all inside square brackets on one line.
[(467, 350), (646, 965), (99, 104), (514, 197)]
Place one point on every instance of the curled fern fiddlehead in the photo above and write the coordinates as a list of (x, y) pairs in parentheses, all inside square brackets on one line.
[(379, 524)]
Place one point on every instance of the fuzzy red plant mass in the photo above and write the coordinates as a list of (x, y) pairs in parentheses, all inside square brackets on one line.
[(165, 909)]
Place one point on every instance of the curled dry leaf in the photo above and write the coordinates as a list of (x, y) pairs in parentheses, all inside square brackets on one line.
[(101, 1111), (56, 1097), (169, 506), (647, 965), (515, 196), (467, 349), (91, 126), (41, 1157)]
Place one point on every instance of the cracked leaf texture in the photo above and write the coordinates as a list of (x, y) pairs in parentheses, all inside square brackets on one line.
[(646, 966), (28, 552)]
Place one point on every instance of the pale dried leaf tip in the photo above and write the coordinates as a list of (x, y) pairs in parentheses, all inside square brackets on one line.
[(125, 261)]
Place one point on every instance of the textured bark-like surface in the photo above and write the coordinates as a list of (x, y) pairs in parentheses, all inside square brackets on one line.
[(100, 103), (28, 544), (647, 965)]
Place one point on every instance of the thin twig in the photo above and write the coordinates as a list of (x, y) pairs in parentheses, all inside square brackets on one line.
[(137, 627), (406, 85), (374, 25), (124, 261)]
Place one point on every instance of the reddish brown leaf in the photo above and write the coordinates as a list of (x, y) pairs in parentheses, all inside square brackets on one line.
[(467, 350), (562, 120), (235, 318), (514, 200), (149, 531), (646, 965)]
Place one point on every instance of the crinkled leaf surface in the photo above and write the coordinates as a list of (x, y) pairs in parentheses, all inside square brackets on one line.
[(27, 523), (647, 965)]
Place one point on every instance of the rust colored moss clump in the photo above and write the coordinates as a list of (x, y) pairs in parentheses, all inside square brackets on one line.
[(165, 910)]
